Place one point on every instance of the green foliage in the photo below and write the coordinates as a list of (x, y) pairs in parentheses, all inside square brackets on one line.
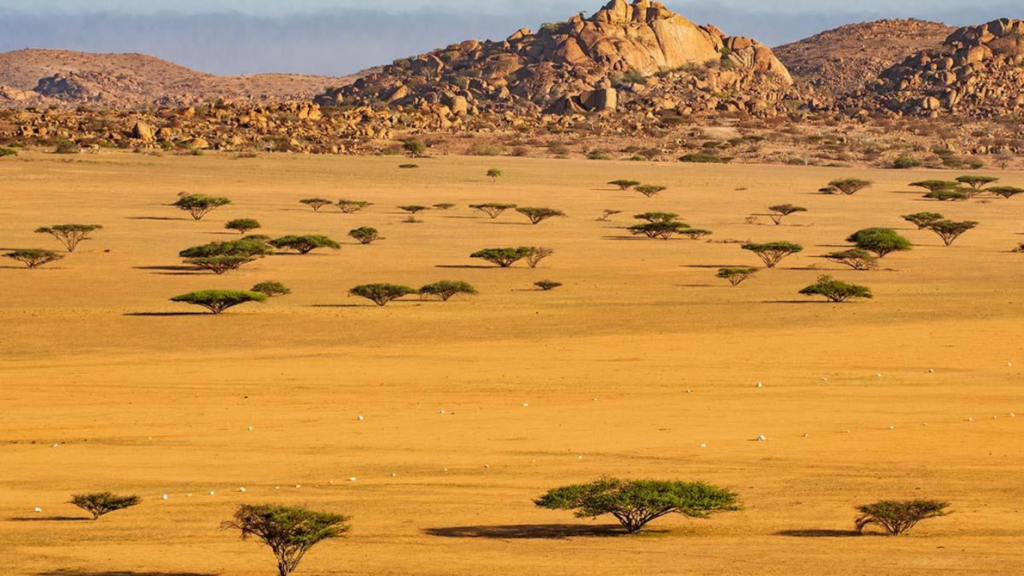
[(598, 155), (905, 163), (447, 289), (650, 190), (977, 182), (503, 257), (655, 217), (537, 254), (414, 209), (780, 211), (33, 257), (444, 206), (243, 225), (304, 244), (4, 152), (289, 532), (635, 503), (881, 241), (695, 233), (855, 258), (381, 294), (773, 252), (1006, 191), (352, 206), (220, 257), (663, 230), (736, 276), (836, 290), (494, 174), (538, 215), (608, 213), (316, 203), (923, 219), (365, 235), (217, 301), (936, 185), (949, 230), (271, 289), (630, 77), (704, 158), (493, 209), (947, 195), (67, 147), (414, 147), (850, 186), (70, 235), (199, 205), (624, 184), (103, 503), (547, 285), (898, 516)]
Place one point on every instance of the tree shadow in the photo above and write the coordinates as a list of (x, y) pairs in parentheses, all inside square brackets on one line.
[(158, 218), (714, 266), (164, 314), (67, 572), (797, 302), (467, 267), (172, 270), (639, 239), (336, 306), (527, 531), (50, 519), (814, 533)]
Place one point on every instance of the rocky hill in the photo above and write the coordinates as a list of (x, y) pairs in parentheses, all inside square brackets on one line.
[(626, 56), (977, 72), (843, 60), (55, 77)]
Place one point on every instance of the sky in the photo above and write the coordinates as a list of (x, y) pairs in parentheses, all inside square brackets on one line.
[(337, 37)]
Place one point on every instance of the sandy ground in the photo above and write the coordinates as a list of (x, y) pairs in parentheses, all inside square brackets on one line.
[(538, 389)]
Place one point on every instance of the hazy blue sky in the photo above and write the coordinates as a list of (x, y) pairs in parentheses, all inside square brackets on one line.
[(340, 36)]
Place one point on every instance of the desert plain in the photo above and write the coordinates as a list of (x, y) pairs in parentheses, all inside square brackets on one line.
[(643, 365)]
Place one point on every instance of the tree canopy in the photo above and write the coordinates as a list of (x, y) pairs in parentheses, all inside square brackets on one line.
[(70, 235), (493, 209), (923, 219), (33, 257), (503, 257), (290, 532), (662, 230), (365, 235), (316, 203), (650, 190), (352, 206), (624, 184), (199, 205), (103, 503), (898, 516), (736, 276), (780, 211), (304, 244), (271, 289), (850, 186), (855, 258), (217, 301), (836, 290), (949, 230), (381, 294), (881, 241), (772, 253), (243, 225), (538, 215), (447, 289)]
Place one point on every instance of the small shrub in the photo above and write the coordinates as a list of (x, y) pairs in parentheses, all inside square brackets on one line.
[(289, 532), (304, 244), (936, 185), (316, 203), (493, 209), (221, 257), (199, 205), (905, 163), (103, 503), (217, 301), (598, 155), (650, 191), (977, 182), (4, 152), (494, 174), (695, 233), (704, 158), (850, 186), (503, 257), (881, 241), (243, 225), (897, 517), (67, 147), (447, 289), (836, 290), (855, 258), (381, 294), (624, 184), (772, 253), (538, 215), (736, 276), (547, 285), (408, 166), (414, 147), (271, 289), (444, 206), (947, 195), (949, 230), (70, 235), (33, 257)]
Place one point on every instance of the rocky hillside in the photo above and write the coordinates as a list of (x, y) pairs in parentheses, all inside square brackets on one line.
[(977, 72), (48, 77), (626, 56), (844, 59)]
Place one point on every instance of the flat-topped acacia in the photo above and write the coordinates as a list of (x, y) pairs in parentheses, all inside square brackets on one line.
[(304, 244), (316, 203), (923, 219), (881, 241), (352, 206), (70, 235), (33, 257), (772, 253), (289, 531), (737, 276), (662, 230), (447, 289), (381, 294), (199, 205), (271, 289), (949, 231), (493, 209), (102, 503), (780, 211), (849, 186), (538, 215), (836, 290), (365, 235), (217, 301), (855, 258), (657, 217), (650, 190), (503, 257), (898, 516), (243, 225), (624, 184)]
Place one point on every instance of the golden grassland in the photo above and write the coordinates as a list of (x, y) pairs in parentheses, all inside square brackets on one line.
[(639, 360)]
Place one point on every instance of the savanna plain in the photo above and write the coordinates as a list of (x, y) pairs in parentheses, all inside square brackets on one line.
[(434, 425)]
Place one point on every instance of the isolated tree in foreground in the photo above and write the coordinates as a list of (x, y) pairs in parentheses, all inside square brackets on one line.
[(635, 503), (850, 186), (608, 213), (271, 289), (854, 258), (538, 215), (447, 289), (836, 290), (949, 230), (780, 211), (662, 230), (493, 209), (503, 257), (649, 190), (381, 294), (290, 532), (243, 225), (898, 516), (352, 206), (538, 254), (1006, 191), (70, 235), (773, 252), (881, 241), (923, 219), (978, 183), (103, 503), (33, 257), (217, 301), (316, 203), (199, 205), (654, 217), (547, 285), (624, 184), (304, 244), (736, 276), (494, 174), (365, 235)]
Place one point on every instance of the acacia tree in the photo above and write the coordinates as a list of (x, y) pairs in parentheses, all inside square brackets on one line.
[(33, 257), (316, 203), (365, 235), (103, 503), (494, 174), (836, 290), (70, 235), (493, 209), (304, 244), (635, 503), (662, 230), (199, 205), (413, 210), (736, 276), (898, 516), (881, 241), (537, 254), (773, 252), (977, 183), (352, 206), (538, 215), (243, 225), (780, 211), (1006, 191), (271, 289), (608, 213), (923, 219), (447, 289), (503, 257), (444, 206), (649, 190), (381, 294), (695, 233), (947, 195), (547, 285), (290, 532), (217, 301), (949, 230), (849, 186), (854, 258), (220, 257), (936, 185), (624, 184), (657, 217)]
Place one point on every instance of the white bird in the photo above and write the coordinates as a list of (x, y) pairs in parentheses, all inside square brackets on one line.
[(212, 492), (762, 439), (250, 428), (298, 486), (970, 419), (352, 479), (847, 431), (1012, 415), (931, 371), (393, 475), (525, 405), (188, 495), (688, 391), (55, 445), (164, 497), (440, 411), (878, 375), (581, 457), (487, 466), (892, 427), (807, 435), (360, 417), (824, 379), (760, 385), (38, 510), (703, 445), (242, 490)]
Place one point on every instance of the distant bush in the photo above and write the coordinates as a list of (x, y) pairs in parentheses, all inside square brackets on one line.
[(977, 182), (855, 258), (316, 203), (849, 186), (304, 244), (537, 254), (482, 149), (102, 503), (607, 213), (772, 253), (704, 158), (217, 301), (650, 191), (1006, 191), (271, 289), (221, 257), (444, 206), (493, 209), (33, 257), (352, 206), (736, 276), (936, 185), (538, 215), (905, 163), (655, 217), (598, 155), (4, 152), (289, 532), (948, 195), (662, 230), (414, 147), (494, 174), (836, 290), (897, 517), (447, 289), (365, 235), (881, 241), (67, 147), (381, 294), (199, 205), (243, 225), (503, 257), (547, 285), (780, 211), (624, 184), (70, 235)]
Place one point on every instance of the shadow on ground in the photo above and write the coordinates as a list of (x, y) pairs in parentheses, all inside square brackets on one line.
[(527, 531), (819, 533), (50, 519), (116, 573)]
